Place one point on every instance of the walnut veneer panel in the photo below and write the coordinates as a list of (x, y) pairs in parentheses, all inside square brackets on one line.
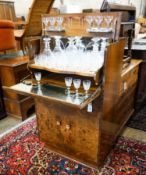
[(69, 131)]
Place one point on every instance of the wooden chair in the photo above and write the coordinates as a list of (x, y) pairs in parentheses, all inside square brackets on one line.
[(33, 26), (7, 39)]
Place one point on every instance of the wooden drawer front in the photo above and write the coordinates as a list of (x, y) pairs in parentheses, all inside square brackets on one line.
[(129, 79), (133, 76), (125, 106), (70, 133)]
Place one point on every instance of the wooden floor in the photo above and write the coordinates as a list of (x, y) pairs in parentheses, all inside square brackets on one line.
[(134, 134), (10, 123)]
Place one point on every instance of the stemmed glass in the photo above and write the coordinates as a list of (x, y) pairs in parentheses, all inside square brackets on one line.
[(89, 20), (86, 86), (45, 21), (108, 20), (47, 48), (68, 82), (77, 84), (52, 21), (59, 21), (98, 20), (58, 43), (38, 76)]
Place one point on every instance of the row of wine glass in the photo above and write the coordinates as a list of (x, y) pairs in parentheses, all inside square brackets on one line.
[(68, 82), (98, 20), (77, 84), (56, 23)]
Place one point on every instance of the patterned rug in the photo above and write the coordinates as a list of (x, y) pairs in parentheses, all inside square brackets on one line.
[(22, 153), (138, 120)]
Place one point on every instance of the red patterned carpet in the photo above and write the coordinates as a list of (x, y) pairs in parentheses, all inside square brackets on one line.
[(21, 153)]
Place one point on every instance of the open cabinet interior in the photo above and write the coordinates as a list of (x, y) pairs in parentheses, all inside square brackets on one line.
[(77, 118)]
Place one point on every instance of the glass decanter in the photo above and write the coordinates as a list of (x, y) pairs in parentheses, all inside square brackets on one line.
[(78, 43), (58, 44), (95, 45), (71, 44), (47, 49)]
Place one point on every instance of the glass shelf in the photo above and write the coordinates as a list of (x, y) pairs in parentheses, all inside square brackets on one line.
[(55, 93)]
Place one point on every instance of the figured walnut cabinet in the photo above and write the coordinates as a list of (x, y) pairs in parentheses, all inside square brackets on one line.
[(64, 124), (67, 128)]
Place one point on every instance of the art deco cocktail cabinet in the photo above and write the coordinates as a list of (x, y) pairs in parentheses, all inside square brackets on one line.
[(82, 126)]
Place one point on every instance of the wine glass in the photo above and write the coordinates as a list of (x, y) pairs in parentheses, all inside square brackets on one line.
[(98, 20), (52, 21), (38, 76), (45, 21), (59, 21), (68, 82), (89, 20), (86, 86), (77, 83), (108, 20)]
